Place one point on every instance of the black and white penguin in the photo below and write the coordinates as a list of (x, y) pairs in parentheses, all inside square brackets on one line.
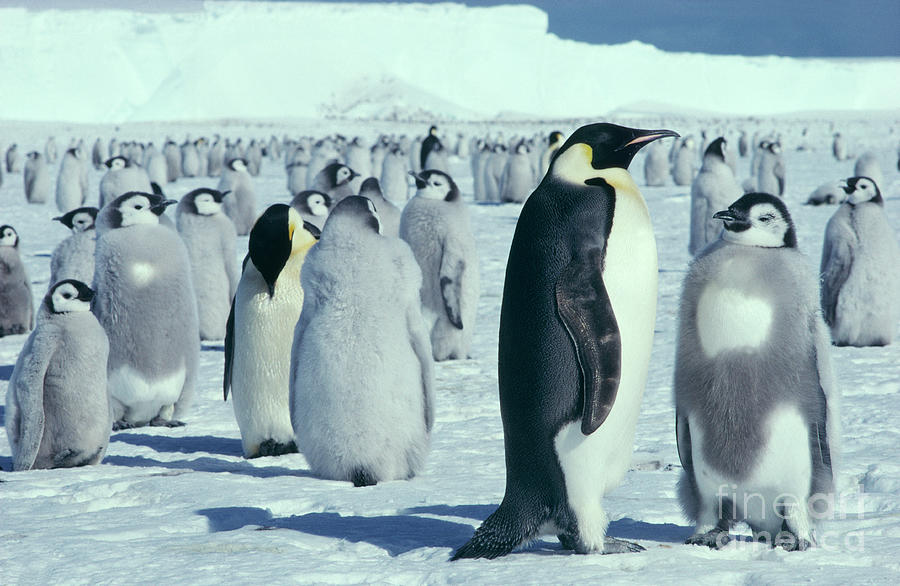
[(335, 180), (16, 302), (73, 258), (576, 329), (121, 177), (314, 206), (430, 144)]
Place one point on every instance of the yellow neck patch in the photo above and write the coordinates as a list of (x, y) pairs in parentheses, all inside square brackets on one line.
[(574, 166)]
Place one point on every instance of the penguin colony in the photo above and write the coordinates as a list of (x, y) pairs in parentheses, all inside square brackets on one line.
[(350, 293)]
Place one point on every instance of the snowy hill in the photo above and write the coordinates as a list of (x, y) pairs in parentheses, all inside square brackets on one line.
[(413, 61)]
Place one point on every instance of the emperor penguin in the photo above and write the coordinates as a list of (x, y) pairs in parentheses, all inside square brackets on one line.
[(770, 174), (313, 206), (16, 302), (518, 179), (216, 158), (260, 331), (395, 174), (155, 163), (683, 163), (240, 202), (173, 160), (430, 144), (73, 258), (37, 178), (144, 299), (743, 144), (362, 377), (656, 165), (121, 177), (839, 147), (493, 172), (13, 159), (296, 172), (97, 154), (50, 151), (324, 153), (72, 181), (190, 160), (756, 406), (713, 189), (830, 193), (481, 154), (867, 165), (388, 214), (860, 269), (435, 224), (57, 411), (576, 329), (554, 141), (211, 240), (359, 158), (335, 180)]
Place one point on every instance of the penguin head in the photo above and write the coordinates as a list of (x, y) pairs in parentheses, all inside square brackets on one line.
[(118, 162), (764, 145), (758, 219), (774, 148), (79, 219), (861, 190), (434, 184), (716, 148), (353, 213), (278, 234), (9, 236), (67, 296), (522, 148), (340, 174), (371, 189), (600, 146), (237, 164), (432, 131), (206, 201), (313, 203), (34, 155), (555, 137), (136, 207)]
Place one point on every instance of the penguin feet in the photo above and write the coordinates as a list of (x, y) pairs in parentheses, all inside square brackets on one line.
[(613, 545), (122, 424), (713, 539), (160, 422), (568, 541), (271, 447), (362, 477)]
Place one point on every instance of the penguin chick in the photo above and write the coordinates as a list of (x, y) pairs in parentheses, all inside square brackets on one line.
[(313, 206), (388, 214), (73, 258), (829, 193), (770, 173), (121, 177), (16, 303), (518, 179), (57, 411), (713, 189), (240, 202), (72, 181), (335, 180), (37, 178)]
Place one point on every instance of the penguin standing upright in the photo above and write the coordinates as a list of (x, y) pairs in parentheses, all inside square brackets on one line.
[(297, 169), (554, 141), (743, 144), (144, 299), (16, 302), (770, 173), (37, 178), (839, 147), (576, 329), (656, 165), (518, 175), (173, 160), (13, 159), (190, 159), (754, 395), (713, 189), (73, 258), (359, 158), (362, 380), (435, 224), (313, 206), (121, 177), (210, 239), (261, 330), (50, 151), (683, 163), (394, 174), (240, 202), (493, 172), (860, 269), (97, 154), (430, 143), (57, 411), (72, 181), (155, 164), (388, 214)]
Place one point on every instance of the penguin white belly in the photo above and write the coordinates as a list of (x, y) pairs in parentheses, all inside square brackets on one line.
[(594, 464), (144, 397), (728, 319), (782, 475)]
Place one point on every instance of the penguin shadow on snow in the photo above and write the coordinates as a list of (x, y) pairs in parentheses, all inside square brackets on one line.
[(182, 445), (6, 372), (396, 534), (205, 464)]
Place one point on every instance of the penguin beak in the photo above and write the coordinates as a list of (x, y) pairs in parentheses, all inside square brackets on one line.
[(847, 188), (159, 208), (734, 221), (420, 183), (645, 136)]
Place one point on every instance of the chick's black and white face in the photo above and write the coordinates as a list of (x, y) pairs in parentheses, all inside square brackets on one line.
[(116, 163), (70, 296), (435, 186), (317, 205), (8, 237), (762, 225), (238, 165), (206, 204), (82, 222), (863, 190), (136, 210), (343, 175)]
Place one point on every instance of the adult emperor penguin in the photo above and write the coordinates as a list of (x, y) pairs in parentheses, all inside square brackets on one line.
[(210, 239), (713, 189), (388, 214), (435, 224), (144, 299), (121, 177), (240, 203), (430, 144), (554, 141), (37, 178), (72, 181), (57, 411), (362, 399), (576, 328), (16, 302), (335, 180), (73, 258), (261, 329), (313, 206), (861, 269), (13, 159), (754, 393)]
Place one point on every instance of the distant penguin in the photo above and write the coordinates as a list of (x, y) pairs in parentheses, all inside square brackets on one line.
[(121, 177), (97, 154), (867, 165), (215, 159), (144, 299), (576, 330), (37, 178), (829, 193), (190, 160), (297, 169), (210, 239), (362, 377), (173, 161), (72, 182), (324, 153), (770, 174), (554, 141), (754, 393), (518, 179), (254, 158), (656, 165), (860, 269), (388, 213), (359, 158), (13, 159), (839, 147), (57, 411), (16, 302), (435, 224), (313, 206), (481, 154), (240, 203), (395, 175), (493, 172), (73, 258), (155, 163), (743, 144), (713, 189), (430, 144), (50, 151), (335, 180), (683, 164), (261, 330)]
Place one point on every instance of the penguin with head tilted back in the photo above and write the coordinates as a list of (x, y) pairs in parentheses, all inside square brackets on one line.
[(713, 189), (73, 258), (754, 394), (576, 329), (860, 269)]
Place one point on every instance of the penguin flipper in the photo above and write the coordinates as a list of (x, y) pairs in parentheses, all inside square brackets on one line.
[(584, 307), (29, 393), (451, 273), (229, 351), (837, 258)]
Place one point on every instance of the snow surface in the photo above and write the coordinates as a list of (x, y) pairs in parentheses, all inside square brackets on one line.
[(286, 59), (183, 505)]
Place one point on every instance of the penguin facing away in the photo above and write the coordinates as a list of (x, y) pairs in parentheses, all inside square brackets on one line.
[(713, 189), (73, 258), (16, 303), (37, 178), (57, 410), (576, 329), (240, 203), (72, 181), (860, 269), (335, 180), (313, 206), (756, 408), (362, 398), (121, 177), (260, 331)]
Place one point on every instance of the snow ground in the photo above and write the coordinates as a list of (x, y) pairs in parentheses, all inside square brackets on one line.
[(182, 505)]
